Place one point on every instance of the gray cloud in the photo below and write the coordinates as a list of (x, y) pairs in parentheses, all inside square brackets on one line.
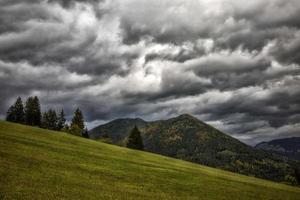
[(232, 64)]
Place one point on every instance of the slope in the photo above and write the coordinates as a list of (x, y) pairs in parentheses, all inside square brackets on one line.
[(42, 164), (116, 130), (187, 138)]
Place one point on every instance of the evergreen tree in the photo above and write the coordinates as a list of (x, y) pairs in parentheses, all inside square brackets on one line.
[(66, 128), (16, 113), (85, 133), (52, 117), (297, 175), (75, 130), (33, 112), (19, 111), (135, 140), (45, 120), (61, 120), (10, 114), (29, 112), (78, 119), (49, 120), (38, 113)]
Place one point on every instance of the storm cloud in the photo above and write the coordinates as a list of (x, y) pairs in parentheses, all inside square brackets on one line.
[(233, 64)]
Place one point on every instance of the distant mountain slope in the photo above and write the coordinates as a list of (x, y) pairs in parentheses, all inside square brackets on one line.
[(41, 164), (289, 147), (187, 138), (117, 130)]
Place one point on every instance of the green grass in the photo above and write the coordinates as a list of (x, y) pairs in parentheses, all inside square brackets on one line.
[(40, 164)]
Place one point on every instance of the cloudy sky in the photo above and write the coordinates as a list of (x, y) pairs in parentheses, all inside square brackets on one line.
[(234, 64)]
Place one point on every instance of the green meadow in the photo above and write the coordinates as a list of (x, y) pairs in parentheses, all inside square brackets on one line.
[(42, 164)]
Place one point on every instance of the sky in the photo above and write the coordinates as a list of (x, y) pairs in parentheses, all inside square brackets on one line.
[(233, 64)]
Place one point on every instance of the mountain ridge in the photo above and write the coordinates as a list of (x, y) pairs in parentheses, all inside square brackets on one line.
[(289, 147)]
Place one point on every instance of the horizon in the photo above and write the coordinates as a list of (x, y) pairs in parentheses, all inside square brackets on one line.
[(234, 65)]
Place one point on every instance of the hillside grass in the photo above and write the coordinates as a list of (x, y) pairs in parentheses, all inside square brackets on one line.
[(41, 164)]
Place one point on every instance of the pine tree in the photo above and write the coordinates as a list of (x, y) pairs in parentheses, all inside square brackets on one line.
[(61, 120), (66, 128), (78, 119), (52, 117), (10, 114), (75, 130), (49, 120), (45, 120), (297, 175), (19, 111), (16, 113), (135, 140), (38, 113), (85, 133), (29, 111), (33, 112)]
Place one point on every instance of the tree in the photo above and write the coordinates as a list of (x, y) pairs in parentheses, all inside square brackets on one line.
[(45, 120), (75, 130), (135, 140), (38, 113), (297, 175), (10, 114), (49, 120), (85, 133), (61, 120), (52, 117), (33, 112), (78, 119), (65, 129), (19, 111), (16, 113)]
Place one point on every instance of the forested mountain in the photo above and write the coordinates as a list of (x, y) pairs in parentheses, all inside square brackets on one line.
[(289, 147), (187, 138)]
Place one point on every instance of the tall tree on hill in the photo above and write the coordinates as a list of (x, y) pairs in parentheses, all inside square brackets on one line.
[(135, 140), (38, 113), (85, 133), (29, 111), (19, 111), (61, 120), (75, 130), (45, 120), (33, 111), (10, 114), (297, 174), (52, 117), (16, 112), (49, 120), (78, 119)]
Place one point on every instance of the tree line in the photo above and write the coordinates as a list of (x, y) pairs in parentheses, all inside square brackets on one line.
[(30, 114)]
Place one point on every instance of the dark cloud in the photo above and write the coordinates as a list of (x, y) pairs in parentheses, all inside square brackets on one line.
[(233, 64), (69, 3)]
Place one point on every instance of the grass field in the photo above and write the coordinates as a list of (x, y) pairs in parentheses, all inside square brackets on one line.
[(40, 164)]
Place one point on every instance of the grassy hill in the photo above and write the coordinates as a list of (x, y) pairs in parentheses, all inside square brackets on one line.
[(186, 137), (41, 164)]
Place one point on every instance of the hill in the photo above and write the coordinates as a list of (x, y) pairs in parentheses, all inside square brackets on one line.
[(187, 138), (42, 164), (289, 147)]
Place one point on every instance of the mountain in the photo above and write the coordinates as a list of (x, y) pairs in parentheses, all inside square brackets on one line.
[(117, 130), (187, 138), (289, 147), (41, 164)]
